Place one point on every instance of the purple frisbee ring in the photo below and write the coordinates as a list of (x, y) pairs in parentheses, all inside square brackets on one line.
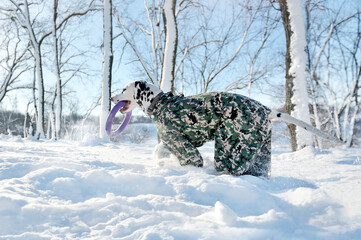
[(108, 125)]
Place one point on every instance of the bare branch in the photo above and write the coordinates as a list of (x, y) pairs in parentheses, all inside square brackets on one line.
[(67, 18), (123, 27)]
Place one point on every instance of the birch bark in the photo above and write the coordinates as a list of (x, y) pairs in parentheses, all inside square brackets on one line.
[(296, 88), (107, 66), (170, 50), (58, 91), (39, 72)]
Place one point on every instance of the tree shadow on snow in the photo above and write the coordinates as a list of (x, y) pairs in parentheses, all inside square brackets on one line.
[(356, 161), (280, 184)]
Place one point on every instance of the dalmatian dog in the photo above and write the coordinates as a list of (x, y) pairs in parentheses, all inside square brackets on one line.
[(240, 126)]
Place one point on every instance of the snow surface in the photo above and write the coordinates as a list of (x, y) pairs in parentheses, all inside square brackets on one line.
[(103, 190)]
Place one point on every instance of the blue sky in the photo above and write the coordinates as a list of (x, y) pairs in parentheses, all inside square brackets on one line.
[(83, 92)]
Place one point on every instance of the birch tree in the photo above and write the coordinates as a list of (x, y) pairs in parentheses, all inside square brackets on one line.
[(107, 65), (222, 43), (19, 11), (22, 14), (296, 87), (56, 120), (228, 40), (333, 67), (13, 61), (147, 36), (157, 35), (192, 51), (66, 60), (171, 42), (343, 102)]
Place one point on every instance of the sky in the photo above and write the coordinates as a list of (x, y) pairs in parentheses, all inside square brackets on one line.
[(82, 93)]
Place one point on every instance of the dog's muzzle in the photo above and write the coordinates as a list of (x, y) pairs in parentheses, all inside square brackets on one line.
[(125, 108)]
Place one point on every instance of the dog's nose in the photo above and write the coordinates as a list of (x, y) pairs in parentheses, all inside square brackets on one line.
[(114, 100)]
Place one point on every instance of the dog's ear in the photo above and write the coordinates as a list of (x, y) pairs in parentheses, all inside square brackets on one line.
[(140, 85), (141, 90), (136, 83)]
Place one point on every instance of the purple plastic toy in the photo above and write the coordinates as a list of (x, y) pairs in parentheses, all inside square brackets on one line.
[(108, 125)]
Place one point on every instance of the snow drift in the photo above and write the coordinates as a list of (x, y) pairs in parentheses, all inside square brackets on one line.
[(105, 190)]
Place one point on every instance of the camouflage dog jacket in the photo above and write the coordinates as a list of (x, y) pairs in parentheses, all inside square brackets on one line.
[(238, 125)]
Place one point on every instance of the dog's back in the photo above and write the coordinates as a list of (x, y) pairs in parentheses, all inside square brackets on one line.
[(197, 117)]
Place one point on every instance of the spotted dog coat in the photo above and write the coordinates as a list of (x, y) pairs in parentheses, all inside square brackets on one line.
[(238, 125)]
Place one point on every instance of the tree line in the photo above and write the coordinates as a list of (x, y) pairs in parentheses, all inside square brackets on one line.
[(189, 47)]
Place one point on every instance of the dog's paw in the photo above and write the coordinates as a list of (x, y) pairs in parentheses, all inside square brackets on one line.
[(170, 162), (160, 151), (163, 158)]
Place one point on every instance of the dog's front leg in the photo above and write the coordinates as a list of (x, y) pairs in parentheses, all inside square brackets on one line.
[(184, 150)]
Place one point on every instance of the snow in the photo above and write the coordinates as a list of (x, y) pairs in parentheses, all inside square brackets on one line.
[(298, 69), (96, 189)]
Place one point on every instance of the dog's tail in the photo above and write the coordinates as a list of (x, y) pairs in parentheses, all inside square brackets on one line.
[(278, 116)]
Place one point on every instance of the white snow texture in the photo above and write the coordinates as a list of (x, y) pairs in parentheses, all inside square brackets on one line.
[(102, 190)]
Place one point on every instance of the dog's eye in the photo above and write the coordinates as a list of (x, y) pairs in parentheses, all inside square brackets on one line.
[(123, 90)]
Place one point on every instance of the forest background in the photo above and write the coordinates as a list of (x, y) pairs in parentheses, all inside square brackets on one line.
[(61, 60)]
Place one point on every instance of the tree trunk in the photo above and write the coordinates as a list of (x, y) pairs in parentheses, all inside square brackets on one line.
[(39, 72), (25, 131), (107, 65), (58, 91), (296, 91), (34, 101), (171, 42), (4, 86), (40, 85)]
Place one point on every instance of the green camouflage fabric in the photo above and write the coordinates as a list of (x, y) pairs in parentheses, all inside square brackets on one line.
[(238, 125)]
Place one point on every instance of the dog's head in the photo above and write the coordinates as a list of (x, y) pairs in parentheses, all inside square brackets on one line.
[(137, 94)]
